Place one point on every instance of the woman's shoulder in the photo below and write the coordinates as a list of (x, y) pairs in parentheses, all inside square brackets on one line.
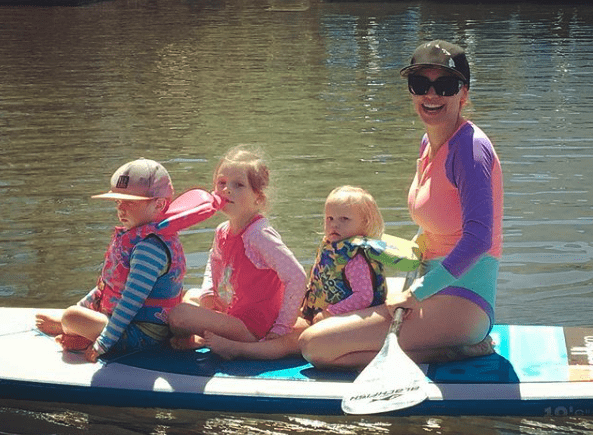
[(478, 132), (470, 151), (470, 139), (469, 132)]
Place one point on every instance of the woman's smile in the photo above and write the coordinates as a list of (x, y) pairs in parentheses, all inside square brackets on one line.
[(432, 107)]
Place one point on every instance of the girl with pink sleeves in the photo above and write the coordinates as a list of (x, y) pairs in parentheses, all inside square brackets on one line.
[(253, 285)]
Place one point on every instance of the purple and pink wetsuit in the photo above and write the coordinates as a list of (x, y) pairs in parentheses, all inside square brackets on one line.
[(457, 200)]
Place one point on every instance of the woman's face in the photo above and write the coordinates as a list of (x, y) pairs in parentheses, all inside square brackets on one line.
[(434, 109)]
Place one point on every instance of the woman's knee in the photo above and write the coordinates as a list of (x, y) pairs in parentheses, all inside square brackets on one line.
[(307, 343), (316, 347)]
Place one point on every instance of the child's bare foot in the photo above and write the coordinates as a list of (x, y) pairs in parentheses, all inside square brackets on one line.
[(50, 325), (73, 342), (187, 342), (223, 347)]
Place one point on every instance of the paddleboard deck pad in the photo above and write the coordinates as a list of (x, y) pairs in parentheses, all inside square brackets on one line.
[(536, 371)]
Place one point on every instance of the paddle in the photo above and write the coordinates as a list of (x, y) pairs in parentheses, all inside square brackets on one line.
[(191, 207), (390, 382)]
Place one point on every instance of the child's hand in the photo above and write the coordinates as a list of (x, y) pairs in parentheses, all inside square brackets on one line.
[(91, 354), (214, 303), (320, 316), (271, 336)]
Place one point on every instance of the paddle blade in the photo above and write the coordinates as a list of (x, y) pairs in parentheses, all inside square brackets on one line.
[(390, 382), (190, 208)]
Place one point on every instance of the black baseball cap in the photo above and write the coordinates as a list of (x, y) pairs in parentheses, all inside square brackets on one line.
[(442, 55)]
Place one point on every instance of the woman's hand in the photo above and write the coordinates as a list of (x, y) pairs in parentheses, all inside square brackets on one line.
[(404, 299), (420, 240)]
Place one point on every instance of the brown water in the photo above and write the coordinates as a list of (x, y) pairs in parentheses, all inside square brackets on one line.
[(316, 85)]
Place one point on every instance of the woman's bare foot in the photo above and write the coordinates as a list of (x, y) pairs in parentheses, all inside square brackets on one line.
[(223, 347), (454, 353), (73, 342), (484, 347), (187, 342), (50, 325)]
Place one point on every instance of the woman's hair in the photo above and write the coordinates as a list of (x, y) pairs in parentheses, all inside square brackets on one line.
[(356, 196), (253, 162)]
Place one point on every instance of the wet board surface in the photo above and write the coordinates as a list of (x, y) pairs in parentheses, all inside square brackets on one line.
[(536, 370)]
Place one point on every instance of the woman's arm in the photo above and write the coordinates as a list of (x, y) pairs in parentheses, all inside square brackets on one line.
[(469, 169)]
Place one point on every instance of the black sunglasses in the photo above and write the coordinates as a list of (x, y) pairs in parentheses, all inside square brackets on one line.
[(445, 86)]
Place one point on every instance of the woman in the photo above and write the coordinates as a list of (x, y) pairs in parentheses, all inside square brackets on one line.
[(456, 198)]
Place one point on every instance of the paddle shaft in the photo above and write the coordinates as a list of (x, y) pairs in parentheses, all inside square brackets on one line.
[(398, 317)]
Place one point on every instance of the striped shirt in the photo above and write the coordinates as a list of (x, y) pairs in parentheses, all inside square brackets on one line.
[(148, 261)]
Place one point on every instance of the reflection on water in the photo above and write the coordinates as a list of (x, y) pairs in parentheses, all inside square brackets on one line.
[(51, 418), (316, 85)]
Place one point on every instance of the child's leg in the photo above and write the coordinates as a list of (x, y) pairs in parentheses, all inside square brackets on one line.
[(281, 347), (49, 324), (188, 320), (285, 345), (83, 322), (204, 299)]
